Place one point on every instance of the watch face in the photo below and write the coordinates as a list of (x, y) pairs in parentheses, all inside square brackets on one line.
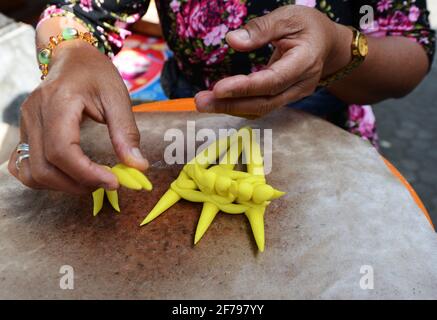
[(363, 47)]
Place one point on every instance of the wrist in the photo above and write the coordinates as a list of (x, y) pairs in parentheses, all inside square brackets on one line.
[(69, 39), (73, 48), (72, 56), (340, 54)]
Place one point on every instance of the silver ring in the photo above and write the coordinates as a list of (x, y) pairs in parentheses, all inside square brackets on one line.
[(20, 158), (23, 148)]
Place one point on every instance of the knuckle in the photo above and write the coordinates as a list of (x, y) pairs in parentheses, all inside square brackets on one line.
[(132, 134), (308, 90), (53, 153), (259, 25), (317, 67), (282, 46), (275, 88), (278, 85), (265, 106), (127, 132), (282, 100), (28, 181), (40, 174), (226, 107), (46, 91), (242, 91), (26, 109), (314, 60), (85, 173)]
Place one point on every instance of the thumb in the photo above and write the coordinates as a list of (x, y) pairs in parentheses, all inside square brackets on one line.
[(125, 137), (257, 33)]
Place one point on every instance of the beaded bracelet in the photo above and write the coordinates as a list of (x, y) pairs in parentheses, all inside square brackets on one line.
[(45, 54)]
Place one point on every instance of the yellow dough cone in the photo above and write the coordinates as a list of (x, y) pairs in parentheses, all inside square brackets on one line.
[(190, 195), (98, 200), (168, 199), (256, 220), (255, 167), (211, 153), (231, 157), (113, 199), (137, 175), (277, 194), (130, 178), (262, 193), (209, 211), (125, 179), (252, 151)]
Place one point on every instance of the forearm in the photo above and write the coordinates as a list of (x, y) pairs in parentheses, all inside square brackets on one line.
[(392, 69)]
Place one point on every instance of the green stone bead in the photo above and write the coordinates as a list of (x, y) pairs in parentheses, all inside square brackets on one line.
[(44, 56), (69, 33), (101, 48)]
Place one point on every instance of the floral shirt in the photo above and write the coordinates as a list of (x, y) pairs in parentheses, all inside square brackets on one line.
[(195, 30)]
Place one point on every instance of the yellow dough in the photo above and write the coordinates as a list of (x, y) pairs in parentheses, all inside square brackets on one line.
[(130, 178), (221, 188)]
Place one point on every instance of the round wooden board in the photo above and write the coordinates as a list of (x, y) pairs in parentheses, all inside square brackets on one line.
[(343, 210)]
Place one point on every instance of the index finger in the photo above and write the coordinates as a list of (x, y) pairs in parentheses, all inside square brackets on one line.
[(62, 149), (272, 80)]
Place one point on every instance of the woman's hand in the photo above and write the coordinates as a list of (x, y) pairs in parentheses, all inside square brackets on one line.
[(308, 47), (81, 82)]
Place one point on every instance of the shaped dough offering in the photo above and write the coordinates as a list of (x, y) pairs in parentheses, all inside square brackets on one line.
[(130, 178), (221, 188)]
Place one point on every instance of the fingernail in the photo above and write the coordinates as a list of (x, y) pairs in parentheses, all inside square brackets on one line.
[(242, 34), (136, 153), (203, 101), (202, 98)]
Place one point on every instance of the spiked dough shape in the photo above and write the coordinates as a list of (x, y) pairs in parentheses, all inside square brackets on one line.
[(220, 188)]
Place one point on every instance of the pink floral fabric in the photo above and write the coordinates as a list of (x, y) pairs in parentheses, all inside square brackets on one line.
[(195, 31), (404, 18), (361, 122)]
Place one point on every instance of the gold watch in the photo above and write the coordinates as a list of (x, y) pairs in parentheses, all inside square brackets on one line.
[(360, 49)]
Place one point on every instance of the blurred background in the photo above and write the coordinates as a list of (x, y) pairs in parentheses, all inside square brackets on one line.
[(407, 127)]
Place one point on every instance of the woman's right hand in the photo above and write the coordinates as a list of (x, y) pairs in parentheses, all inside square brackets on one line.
[(81, 82)]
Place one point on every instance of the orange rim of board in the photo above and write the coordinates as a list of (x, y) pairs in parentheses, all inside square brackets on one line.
[(174, 105), (413, 193), (188, 105)]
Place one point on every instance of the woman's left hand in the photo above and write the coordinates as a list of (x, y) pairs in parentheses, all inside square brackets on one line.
[(308, 46)]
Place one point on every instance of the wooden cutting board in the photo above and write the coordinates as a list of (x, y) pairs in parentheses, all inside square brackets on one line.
[(343, 210)]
